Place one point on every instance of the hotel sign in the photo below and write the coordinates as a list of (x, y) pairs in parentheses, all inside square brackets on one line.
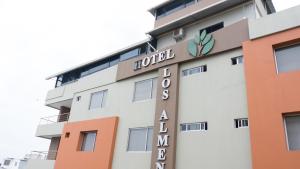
[(164, 135), (154, 59)]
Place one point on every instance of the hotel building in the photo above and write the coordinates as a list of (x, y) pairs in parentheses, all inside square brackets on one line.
[(216, 86)]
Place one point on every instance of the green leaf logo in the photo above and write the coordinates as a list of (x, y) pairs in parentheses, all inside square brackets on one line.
[(203, 41)]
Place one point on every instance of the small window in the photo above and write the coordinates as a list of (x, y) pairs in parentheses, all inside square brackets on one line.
[(140, 139), (237, 60), (145, 89), (88, 141), (78, 98), (292, 125), (67, 135), (98, 99), (202, 126), (288, 58), (213, 28), (241, 123), (7, 162), (194, 70)]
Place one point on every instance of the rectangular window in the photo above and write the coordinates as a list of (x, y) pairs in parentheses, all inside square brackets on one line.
[(194, 70), (88, 141), (213, 28), (241, 123), (173, 6), (288, 58), (7, 162), (201, 126), (145, 89), (130, 54), (140, 139), (292, 125), (98, 99), (237, 60)]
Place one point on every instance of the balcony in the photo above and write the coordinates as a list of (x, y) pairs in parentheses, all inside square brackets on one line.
[(41, 159), (52, 126)]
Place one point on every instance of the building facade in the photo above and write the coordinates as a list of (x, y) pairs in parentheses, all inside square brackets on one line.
[(214, 87)]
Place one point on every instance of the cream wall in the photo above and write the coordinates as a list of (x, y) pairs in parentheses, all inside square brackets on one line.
[(131, 115), (228, 17), (40, 164), (217, 96)]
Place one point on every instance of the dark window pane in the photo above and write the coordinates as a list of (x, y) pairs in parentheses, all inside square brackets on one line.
[(130, 54), (213, 28)]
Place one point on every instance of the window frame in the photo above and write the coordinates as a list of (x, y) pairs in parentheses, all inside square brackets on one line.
[(146, 137), (104, 93), (236, 124), (237, 59), (205, 123), (285, 129), (83, 135), (188, 70), (276, 47), (151, 93)]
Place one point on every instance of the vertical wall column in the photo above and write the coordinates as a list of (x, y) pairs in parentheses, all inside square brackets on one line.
[(165, 125), (53, 148)]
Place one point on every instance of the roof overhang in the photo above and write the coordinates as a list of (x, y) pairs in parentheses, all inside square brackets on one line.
[(195, 16)]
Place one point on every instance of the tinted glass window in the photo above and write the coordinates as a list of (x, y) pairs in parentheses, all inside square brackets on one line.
[(130, 54)]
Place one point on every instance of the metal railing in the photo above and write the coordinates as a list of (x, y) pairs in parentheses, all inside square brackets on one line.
[(55, 119), (42, 155)]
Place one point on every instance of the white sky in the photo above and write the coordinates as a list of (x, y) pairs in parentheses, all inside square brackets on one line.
[(41, 37)]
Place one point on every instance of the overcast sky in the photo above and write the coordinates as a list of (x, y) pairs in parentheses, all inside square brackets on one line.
[(42, 37)]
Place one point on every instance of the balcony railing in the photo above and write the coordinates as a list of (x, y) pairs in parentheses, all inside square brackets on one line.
[(55, 119), (42, 155)]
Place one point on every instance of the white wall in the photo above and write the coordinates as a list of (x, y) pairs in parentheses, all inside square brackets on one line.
[(131, 115), (228, 17), (40, 164), (217, 96), (274, 23)]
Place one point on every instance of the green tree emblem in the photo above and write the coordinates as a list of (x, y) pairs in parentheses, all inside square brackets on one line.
[(203, 41)]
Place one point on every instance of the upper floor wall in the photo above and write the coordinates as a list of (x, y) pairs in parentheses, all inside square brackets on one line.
[(174, 10), (226, 18)]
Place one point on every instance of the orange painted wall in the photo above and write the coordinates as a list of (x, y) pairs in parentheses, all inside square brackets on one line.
[(269, 96), (69, 157)]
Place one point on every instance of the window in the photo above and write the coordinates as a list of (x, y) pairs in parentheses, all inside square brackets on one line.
[(237, 60), (140, 139), (173, 7), (213, 28), (241, 123), (130, 54), (98, 99), (88, 141), (194, 70), (292, 125), (6, 162), (202, 126), (145, 89), (288, 58)]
